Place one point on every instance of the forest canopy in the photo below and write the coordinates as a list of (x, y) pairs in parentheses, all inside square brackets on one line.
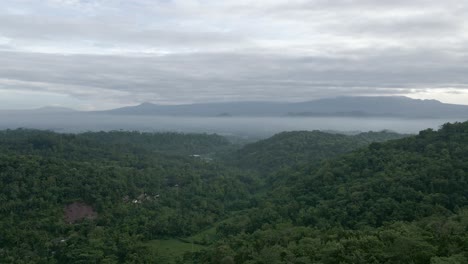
[(297, 197)]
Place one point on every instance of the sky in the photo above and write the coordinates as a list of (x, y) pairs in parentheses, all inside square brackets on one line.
[(102, 54)]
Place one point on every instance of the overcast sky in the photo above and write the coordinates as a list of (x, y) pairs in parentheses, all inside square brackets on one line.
[(100, 54)]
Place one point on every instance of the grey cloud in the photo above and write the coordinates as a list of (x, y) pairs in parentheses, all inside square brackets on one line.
[(425, 26), (346, 5), (115, 33), (213, 77), (228, 25), (231, 50), (411, 19)]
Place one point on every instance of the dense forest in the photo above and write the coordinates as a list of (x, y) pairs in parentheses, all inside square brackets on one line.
[(302, 147), (297, 197)]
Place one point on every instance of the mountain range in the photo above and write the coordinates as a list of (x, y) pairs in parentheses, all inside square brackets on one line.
[(363, 106), (392, 106)]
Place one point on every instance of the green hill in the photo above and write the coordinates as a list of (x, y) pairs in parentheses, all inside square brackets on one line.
[(298, 147), (133, 193), (403, 201), (128, 197)]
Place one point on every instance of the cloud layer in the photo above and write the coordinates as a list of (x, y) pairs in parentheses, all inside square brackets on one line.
[(107, 53)]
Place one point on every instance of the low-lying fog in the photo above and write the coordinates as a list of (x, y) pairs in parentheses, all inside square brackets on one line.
[(241, 126)]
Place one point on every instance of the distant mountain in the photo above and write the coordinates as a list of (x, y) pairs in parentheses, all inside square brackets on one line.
[(206, 109), (396, 106), (42, 110), (388, 106), (54, 109)]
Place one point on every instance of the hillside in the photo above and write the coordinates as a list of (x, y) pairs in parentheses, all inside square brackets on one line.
[(26, 140), (299, 147), (128, 197), (403, 201), (97, 197)]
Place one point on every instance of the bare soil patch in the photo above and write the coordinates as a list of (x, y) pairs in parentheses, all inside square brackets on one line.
[(78, 211)]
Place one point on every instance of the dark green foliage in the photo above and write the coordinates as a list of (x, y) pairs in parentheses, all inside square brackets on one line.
[(432, 240), (138, 193), (404, 201), (118, 141), (308, 197), (302, 147)]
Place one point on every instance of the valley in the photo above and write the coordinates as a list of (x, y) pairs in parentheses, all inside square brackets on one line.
[(297, 197)]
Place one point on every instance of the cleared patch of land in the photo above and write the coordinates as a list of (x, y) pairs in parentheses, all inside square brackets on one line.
[(172, 249)]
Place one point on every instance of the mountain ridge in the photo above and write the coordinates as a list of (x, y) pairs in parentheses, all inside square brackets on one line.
[(343, 106), (358, 106)]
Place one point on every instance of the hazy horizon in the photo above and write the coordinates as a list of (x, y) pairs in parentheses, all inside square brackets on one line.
[(217, 102), (236, 126)]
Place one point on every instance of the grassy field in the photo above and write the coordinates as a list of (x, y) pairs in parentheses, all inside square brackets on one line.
[(205, 237), (173, 249)]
